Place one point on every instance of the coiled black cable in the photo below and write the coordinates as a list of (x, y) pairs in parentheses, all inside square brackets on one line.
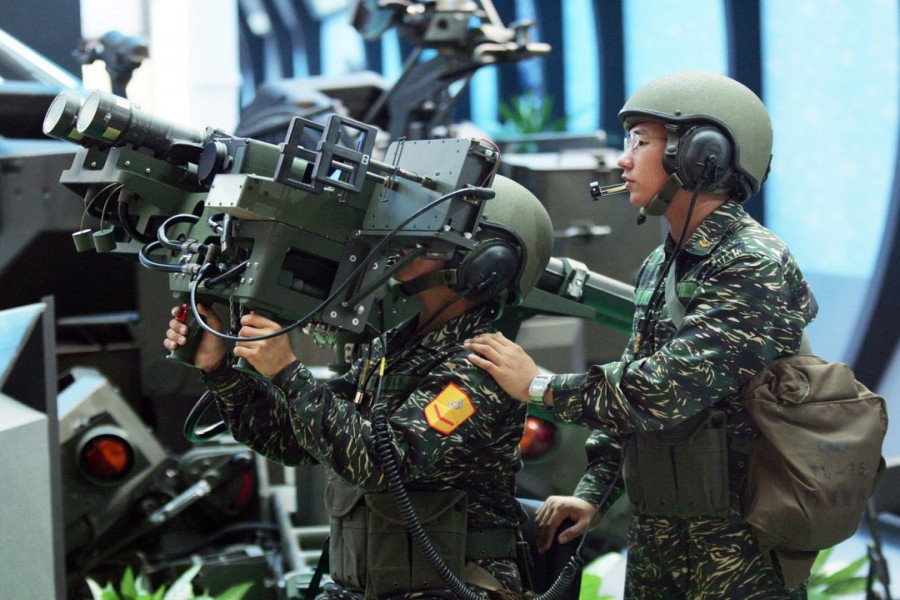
[(125, 220), (144, 257), (161, 231), (189, 430), (228, 275), (404, 505), (383, 449)]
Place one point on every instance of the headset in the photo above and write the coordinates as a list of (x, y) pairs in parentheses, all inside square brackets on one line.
[(703, 155), (487, 270)]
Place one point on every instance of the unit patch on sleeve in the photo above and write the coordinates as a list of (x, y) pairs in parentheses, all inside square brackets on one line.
[(449, 409)]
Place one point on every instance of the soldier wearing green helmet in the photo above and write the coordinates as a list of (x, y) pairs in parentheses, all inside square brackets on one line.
[(717, 301), (685, 101), (454, 431)]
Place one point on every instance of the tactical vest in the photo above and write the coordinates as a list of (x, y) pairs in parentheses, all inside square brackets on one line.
[(681, 472), (370, 549), (685, 471)]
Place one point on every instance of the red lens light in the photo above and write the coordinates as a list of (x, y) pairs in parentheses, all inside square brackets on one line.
[(106, 458), (537, 439)]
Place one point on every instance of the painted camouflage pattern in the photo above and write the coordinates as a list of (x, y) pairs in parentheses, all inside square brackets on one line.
[(295, 420), (698, 559), (746, 303)]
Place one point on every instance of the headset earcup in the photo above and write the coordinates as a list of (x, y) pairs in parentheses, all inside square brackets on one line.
[(694, 149), (487, 270)]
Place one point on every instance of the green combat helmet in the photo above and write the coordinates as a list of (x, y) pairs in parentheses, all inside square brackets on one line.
[(512, 248), (521, 219), (694, 104)]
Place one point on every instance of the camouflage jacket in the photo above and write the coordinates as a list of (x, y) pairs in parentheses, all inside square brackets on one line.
[(457, 429), (746, 303)]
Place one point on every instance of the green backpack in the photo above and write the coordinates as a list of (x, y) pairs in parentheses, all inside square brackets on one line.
[(818, 458)]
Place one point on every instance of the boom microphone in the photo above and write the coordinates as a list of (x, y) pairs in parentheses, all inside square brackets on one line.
[(598, 191)]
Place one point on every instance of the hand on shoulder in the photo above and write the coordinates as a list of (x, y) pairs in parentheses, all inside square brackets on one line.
[(506, 361)]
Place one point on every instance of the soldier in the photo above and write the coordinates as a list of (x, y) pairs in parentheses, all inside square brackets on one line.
[(454, 432), (716, 302)]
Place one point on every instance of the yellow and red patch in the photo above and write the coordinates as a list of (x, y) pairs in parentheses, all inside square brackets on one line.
[(449, 409)]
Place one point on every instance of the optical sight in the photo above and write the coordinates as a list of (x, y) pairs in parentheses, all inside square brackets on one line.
[(118, 121)]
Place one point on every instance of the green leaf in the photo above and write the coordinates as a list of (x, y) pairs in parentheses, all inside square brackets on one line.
[(96, 590), (104, 593), (506, 112), (135, 588), (546, 107), (182, 588), (530, 113), (819, 564), (235, 592), (141, 589), (109, 593), (845, 573), (855, 585), (127, 586)]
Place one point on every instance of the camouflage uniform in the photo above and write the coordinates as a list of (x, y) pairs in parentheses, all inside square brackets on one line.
[(294, 420), (746, 303)]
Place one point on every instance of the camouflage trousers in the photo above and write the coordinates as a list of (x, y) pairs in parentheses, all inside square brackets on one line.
[(698, 559)]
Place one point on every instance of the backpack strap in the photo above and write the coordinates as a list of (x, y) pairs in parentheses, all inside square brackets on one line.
[(805, 345), (677, 311), (673, 302)]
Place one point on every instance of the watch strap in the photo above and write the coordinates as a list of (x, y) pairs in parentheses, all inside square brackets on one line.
[(538, 388)]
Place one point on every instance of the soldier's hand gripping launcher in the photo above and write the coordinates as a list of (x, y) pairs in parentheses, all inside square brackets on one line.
[(306, 231)]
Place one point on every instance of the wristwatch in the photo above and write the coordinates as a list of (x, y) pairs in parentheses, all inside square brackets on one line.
[(538, 388)]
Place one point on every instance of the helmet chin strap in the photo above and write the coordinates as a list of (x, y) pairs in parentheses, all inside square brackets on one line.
[(427, 281), (659, 204)]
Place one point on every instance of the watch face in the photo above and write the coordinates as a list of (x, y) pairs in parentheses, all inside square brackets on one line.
[(539, 385)]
